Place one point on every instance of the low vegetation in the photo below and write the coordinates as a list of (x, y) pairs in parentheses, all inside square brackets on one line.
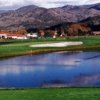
[(9, 48), (51, 94)]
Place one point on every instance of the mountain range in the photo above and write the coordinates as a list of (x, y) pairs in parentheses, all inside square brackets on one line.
[(37, 17)]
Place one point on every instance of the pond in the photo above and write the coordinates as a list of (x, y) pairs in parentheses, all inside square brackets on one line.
[(60, 69)]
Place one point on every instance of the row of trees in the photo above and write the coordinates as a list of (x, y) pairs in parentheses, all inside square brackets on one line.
[(72, 30)]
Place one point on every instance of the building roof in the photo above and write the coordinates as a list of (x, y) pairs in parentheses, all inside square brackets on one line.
[(17, 35), (3, 33), (12, 34)]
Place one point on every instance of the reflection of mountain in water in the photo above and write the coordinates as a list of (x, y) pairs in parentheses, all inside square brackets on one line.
[(84, 80), (93, 57), (51, 70), (54, 83), (57, 59)]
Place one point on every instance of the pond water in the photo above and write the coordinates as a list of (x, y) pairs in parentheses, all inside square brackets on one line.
[(51, 70)]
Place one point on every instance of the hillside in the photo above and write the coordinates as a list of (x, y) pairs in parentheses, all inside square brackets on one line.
[(38, 17)]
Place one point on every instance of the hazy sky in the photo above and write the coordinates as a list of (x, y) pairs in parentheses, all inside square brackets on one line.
[(13, 4)]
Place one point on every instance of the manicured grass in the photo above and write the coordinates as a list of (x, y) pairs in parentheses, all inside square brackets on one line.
[(51, 94), (10, 48)]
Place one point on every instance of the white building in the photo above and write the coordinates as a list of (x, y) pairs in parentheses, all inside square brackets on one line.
[(32, 35), (17, 36), (3, 36)]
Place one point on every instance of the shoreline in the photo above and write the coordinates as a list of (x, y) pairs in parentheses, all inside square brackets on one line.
[(67, 93), (14, 48), (50, 50)]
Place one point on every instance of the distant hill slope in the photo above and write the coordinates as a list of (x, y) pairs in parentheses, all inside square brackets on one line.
[(38, 17)]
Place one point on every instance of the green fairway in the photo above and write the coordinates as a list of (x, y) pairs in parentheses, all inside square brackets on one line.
[(9, 48), (51, 94)]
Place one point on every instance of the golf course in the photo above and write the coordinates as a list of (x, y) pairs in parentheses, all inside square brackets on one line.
[(13, 48), (10, 48), (51, 94)]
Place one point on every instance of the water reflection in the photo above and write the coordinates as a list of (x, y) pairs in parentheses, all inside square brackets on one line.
[(53, 69), (85, 80)]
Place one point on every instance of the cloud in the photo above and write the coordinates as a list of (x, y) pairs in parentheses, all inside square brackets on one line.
[(74, 2), (13, 4)]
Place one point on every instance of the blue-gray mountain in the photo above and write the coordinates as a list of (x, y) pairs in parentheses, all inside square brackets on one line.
[(37, 17)]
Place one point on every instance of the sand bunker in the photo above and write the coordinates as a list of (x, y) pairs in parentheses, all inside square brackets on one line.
[(59, 44)]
